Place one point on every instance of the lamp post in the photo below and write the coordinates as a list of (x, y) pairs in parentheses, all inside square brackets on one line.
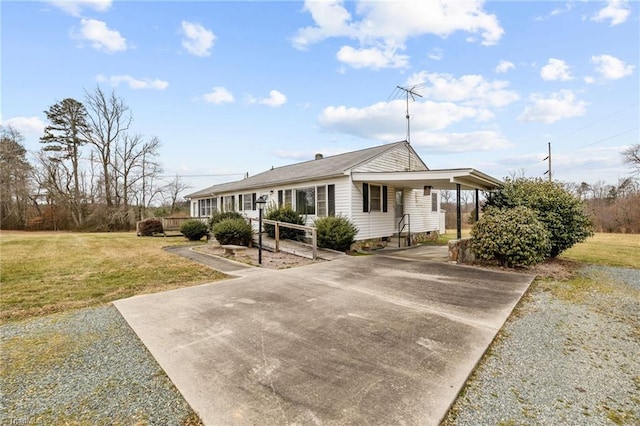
[(260, 202)]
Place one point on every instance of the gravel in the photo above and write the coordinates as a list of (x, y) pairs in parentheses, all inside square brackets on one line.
[(560, 362), (555, 362), (83, 367)]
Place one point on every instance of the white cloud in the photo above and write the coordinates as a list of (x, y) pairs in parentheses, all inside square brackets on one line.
[(75, 7), (197, 39), (611, 68), (386, 26), (385, 121), (371, 58), (134, 83), (471, 90), (556, 69), (275, 99), (218, 95), (589, 80), (27, 126), (436, 54), (616, 11), (100, 36), (555, 12), (482, 140), (559, 105), (504, 66)]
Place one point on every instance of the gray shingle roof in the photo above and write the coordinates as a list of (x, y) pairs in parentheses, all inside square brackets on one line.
[(335, 165)]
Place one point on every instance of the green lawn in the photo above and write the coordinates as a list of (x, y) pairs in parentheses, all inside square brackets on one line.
[(607, 249), (46, 272)]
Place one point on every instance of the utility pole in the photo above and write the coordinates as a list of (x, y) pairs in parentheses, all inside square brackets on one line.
[(548, 157)]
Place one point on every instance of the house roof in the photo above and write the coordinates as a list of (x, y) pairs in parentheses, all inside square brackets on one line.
[(335, 165)]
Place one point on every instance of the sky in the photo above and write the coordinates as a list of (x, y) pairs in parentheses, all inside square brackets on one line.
[(242, 86)]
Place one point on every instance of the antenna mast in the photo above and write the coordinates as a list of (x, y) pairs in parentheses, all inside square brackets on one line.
[(409, 91)]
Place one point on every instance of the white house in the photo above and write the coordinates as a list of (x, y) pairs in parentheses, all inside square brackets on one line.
[(384, 190)]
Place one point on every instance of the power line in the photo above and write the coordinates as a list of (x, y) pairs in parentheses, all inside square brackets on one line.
[(597, 121), (602, 140)]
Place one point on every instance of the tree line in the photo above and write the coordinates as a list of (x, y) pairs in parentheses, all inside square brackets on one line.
[(611, 207), (91, 173)]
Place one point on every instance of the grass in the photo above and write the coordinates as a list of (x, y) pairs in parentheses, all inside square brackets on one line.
[(450, 234), (47, 272), (607, 249)]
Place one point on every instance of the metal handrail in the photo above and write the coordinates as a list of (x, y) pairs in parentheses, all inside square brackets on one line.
[(407, 224)]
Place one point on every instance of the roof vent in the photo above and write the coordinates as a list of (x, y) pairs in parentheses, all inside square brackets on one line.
[(319, 156)]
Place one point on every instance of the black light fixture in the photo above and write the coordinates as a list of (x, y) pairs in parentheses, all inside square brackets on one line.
[(260, 202)]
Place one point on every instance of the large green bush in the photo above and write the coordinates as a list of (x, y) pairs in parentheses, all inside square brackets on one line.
[(220, 216), (148, 227), (512, 236), (288, 215), (235, 231), (561, 212), (335, 232), (194, 230)]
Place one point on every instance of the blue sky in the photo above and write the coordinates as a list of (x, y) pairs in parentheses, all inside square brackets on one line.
[(238, 87)]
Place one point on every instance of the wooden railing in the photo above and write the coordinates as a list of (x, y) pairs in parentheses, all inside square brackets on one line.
[(277, 224)]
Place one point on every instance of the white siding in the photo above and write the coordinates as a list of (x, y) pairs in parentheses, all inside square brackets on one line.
[(418, 206), (401, 158), (372, 224)]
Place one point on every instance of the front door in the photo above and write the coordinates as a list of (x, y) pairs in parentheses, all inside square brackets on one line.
[(399, 206)]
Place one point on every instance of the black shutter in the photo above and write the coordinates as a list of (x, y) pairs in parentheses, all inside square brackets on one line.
[(280, 198), (222, 203), (331, 203), (365, 197), (384, 199), (240, 206), (253, 201)]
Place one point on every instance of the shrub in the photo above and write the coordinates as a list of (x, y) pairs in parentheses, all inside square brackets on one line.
[(288, 215), (512, 236), (148, 227), (562, 213), (194, 230), (220, 216), (335, 232), (235, 231)]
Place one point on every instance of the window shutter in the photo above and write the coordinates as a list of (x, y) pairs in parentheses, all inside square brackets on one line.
[(384, 198), (280, 198), (240, 206), (365, 197), (253, 201), (331, 189), (222, 203)]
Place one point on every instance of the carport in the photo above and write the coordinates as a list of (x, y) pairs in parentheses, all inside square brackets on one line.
[(444, 179)]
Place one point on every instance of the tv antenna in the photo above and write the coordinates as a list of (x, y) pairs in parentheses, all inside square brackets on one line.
[(409, 92)]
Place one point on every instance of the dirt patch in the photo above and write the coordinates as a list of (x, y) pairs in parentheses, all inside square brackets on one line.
[(250, 256)]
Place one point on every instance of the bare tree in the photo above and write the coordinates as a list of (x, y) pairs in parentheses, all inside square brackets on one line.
[(15, 182), (631, 156), (173, 190), (132, 157), (109, 120)]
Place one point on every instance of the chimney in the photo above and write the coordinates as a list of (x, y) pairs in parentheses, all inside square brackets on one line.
[(319, 156)]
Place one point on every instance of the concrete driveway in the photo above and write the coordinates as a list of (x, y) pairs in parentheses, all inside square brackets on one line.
[(360, 340)]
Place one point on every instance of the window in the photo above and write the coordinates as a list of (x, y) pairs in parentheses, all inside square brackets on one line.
[(434, 201), (207, 207), (322, 200), (306, 200), (287, 198), (248, 201), (374, 198), (326, 196), (230, 203)]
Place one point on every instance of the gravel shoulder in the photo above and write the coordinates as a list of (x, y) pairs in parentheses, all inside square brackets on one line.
[(562, 360)]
